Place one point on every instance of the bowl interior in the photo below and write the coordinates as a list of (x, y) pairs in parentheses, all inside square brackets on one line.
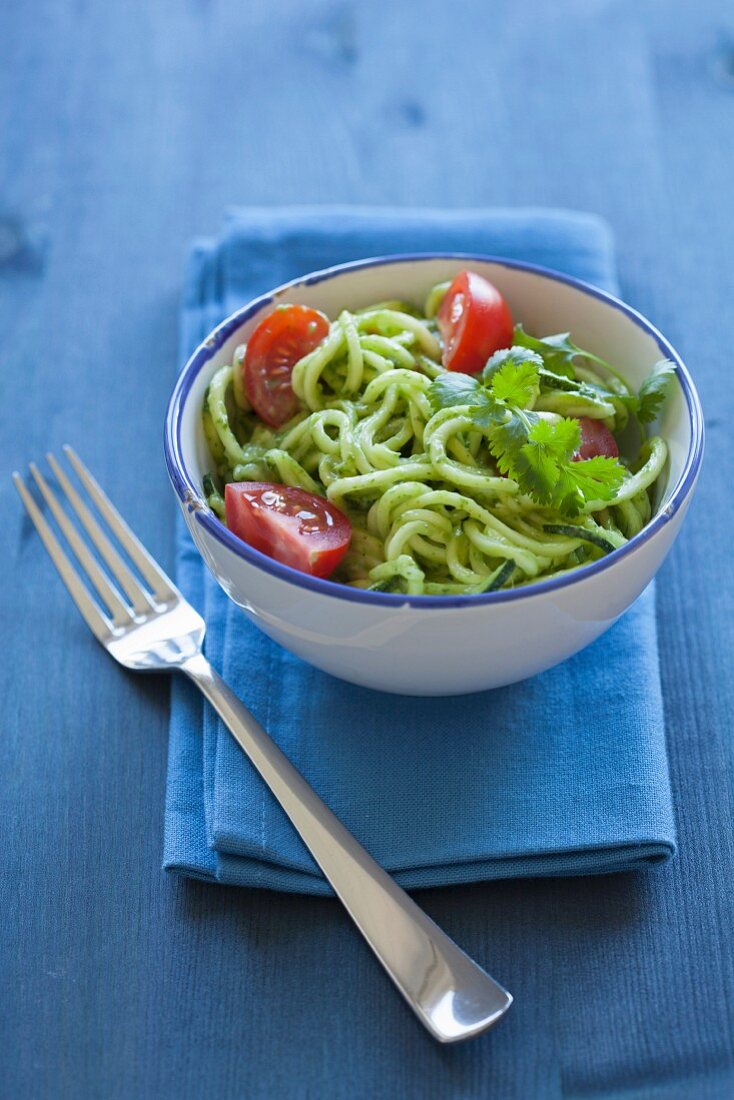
[(542, 302)]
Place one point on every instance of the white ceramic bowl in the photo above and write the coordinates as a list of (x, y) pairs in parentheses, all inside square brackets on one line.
[(440, 645)]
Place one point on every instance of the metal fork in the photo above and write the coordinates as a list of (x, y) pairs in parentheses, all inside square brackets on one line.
[(149, 627)]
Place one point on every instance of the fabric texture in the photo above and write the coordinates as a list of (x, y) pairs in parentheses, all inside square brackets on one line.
[(563, 774)]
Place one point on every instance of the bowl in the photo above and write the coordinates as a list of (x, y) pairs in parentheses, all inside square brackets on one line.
[(441, 645)]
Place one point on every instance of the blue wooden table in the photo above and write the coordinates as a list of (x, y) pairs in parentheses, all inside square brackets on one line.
[(126, 128)]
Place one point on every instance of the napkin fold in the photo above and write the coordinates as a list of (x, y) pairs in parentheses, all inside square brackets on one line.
[(564, 774)]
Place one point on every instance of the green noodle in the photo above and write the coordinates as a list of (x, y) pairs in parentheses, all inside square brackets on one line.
[(429, 510)]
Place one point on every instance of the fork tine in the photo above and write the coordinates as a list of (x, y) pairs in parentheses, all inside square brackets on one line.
[(120, 613), (131, 586), (95, 620), (159, 583)]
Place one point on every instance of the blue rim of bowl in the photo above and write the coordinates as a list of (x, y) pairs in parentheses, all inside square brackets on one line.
[(190, 494)]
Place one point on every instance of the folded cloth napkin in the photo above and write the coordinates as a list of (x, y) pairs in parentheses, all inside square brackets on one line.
[(564, 774)]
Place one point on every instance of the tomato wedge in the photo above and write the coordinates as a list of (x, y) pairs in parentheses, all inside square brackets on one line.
[(292, 526), (274, 348), (596, 439), (474, 321)]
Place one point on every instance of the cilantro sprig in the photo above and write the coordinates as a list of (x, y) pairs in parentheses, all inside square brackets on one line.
[(558, 354), (536, 452), (653, 390), (547, 466)]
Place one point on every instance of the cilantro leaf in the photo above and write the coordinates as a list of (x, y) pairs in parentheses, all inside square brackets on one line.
[(599, 478), (558, 352), (508, 433), (560, 439), (512, 375), (543, 458), (545, 468), (452, 388), (652, 392)]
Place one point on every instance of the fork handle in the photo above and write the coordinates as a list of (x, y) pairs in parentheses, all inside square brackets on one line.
[(451, 995)]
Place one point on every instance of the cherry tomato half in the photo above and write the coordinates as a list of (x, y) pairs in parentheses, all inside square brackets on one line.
[(290, 525), (596, 439), (274, 348), (474, 321)]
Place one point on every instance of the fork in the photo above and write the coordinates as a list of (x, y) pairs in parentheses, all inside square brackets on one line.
[(149, 627)]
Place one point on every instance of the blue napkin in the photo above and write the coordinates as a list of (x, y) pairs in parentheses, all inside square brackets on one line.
[(564, 774)]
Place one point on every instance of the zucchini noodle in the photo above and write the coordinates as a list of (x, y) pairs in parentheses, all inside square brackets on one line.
[(430, 511)]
